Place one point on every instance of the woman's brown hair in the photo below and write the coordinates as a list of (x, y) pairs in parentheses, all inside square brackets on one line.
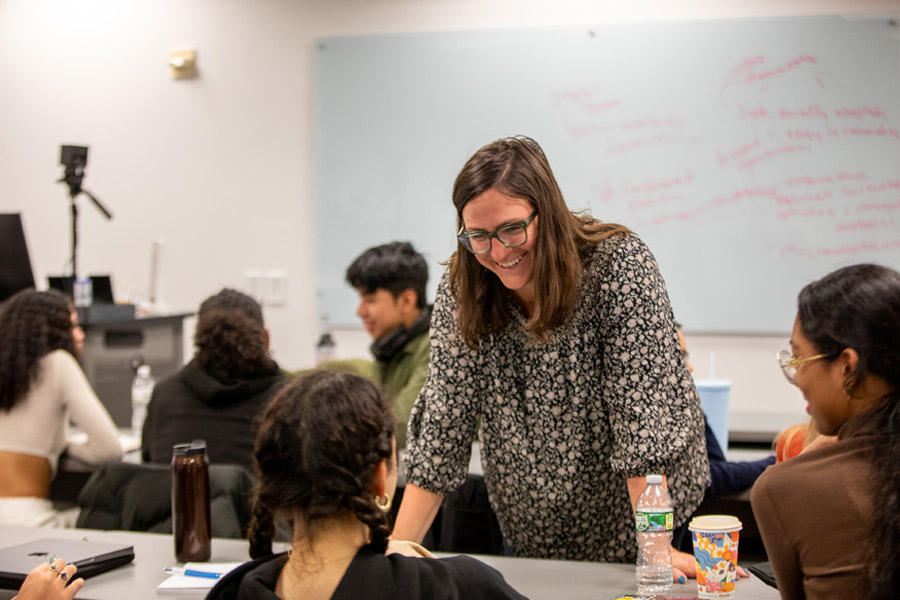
[(517, 167), (318, 445)]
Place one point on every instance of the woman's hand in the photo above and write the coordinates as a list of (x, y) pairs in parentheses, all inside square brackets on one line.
[(417, 511), (683, 566), (47, 581)]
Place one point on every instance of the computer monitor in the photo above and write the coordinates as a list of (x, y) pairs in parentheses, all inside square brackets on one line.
[(15, 266), (61, 283)]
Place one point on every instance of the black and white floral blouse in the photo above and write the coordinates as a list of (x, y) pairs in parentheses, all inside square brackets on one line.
[(565, 423)]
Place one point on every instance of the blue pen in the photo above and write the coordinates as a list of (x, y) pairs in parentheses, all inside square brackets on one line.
[(192, 573)]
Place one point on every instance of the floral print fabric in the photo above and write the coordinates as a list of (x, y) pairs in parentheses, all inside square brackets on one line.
[(564, 423)]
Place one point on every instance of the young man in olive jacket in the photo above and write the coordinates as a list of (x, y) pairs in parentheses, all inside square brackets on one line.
[(390, 280)]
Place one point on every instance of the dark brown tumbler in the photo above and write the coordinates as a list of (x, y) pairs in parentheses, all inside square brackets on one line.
[(190, 502)]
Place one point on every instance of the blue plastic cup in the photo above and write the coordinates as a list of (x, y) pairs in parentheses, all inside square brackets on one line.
[(714, 395)]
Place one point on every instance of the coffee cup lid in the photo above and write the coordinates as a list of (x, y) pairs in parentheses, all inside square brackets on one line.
[(194, 448), (715, 523)]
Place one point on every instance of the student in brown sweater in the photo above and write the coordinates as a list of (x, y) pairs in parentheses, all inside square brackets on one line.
[(828, 517)]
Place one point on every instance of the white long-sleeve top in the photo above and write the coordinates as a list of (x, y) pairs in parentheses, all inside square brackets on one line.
[(38, 424)]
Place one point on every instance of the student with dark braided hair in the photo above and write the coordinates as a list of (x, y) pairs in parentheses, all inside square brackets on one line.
[(42, 388), (325, 461), (829, 517)]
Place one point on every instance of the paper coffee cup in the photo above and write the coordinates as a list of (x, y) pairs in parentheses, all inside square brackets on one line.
[(715, 540)]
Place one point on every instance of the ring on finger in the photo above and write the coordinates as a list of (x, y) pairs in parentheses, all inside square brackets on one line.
[(63, 575)]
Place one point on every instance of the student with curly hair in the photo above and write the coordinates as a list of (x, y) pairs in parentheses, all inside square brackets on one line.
[(220, 392), (828, 517), (42, 387), (325, 459)]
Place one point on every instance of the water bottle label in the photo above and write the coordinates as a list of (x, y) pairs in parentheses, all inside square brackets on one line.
[(654, 521), (82, 291)]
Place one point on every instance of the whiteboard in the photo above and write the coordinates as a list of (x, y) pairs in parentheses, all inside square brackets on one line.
[(752, 155)]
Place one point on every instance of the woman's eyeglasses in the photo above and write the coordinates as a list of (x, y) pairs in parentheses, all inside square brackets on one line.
[(510, 235), (789, 364)]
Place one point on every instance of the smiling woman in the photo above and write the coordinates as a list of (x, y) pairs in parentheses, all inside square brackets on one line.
[(513, 264), (554, 331), (503, 182), (844, 360)]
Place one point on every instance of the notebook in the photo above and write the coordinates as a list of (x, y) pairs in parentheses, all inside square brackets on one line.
[(652, 597), (91, 558), (186, 584)]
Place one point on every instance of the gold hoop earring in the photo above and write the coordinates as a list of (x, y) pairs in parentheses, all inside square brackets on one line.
[(383, 502), (847, 393)]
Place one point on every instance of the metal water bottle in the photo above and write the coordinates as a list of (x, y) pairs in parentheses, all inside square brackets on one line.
[(191, 524)]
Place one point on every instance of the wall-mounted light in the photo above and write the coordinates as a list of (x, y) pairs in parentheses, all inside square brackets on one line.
[(183, 64)]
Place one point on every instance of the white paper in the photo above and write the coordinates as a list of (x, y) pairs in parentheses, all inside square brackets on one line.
[(179, 584)]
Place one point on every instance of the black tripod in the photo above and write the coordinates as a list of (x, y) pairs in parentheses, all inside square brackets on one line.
[(75, 159)]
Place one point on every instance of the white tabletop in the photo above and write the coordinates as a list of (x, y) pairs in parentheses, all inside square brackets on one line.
[(536, 579)]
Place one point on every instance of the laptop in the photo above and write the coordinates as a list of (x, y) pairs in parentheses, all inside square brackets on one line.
[(91, 558)]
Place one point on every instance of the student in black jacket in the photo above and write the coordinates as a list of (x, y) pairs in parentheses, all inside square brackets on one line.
[(325, 458), (725, 477), (218, 395)]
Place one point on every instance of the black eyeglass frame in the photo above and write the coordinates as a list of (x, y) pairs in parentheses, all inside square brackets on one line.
[(464, 237)]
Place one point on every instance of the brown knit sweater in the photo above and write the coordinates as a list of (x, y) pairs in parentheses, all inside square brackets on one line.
[(814, 512)]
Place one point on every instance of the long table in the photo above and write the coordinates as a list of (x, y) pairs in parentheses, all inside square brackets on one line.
[(536, 579)]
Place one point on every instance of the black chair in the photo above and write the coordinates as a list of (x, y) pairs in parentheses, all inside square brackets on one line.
[(138, 497)]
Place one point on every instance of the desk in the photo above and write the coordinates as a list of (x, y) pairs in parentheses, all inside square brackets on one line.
[(72, 474), (111, 348), (467, 510), (536, 579)]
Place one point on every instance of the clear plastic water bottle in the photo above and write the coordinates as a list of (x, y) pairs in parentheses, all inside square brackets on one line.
[(141, 391), (325, 350), (653, 523), (82, 291)]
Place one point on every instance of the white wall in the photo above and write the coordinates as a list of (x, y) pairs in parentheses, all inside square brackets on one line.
[(221, 167)]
